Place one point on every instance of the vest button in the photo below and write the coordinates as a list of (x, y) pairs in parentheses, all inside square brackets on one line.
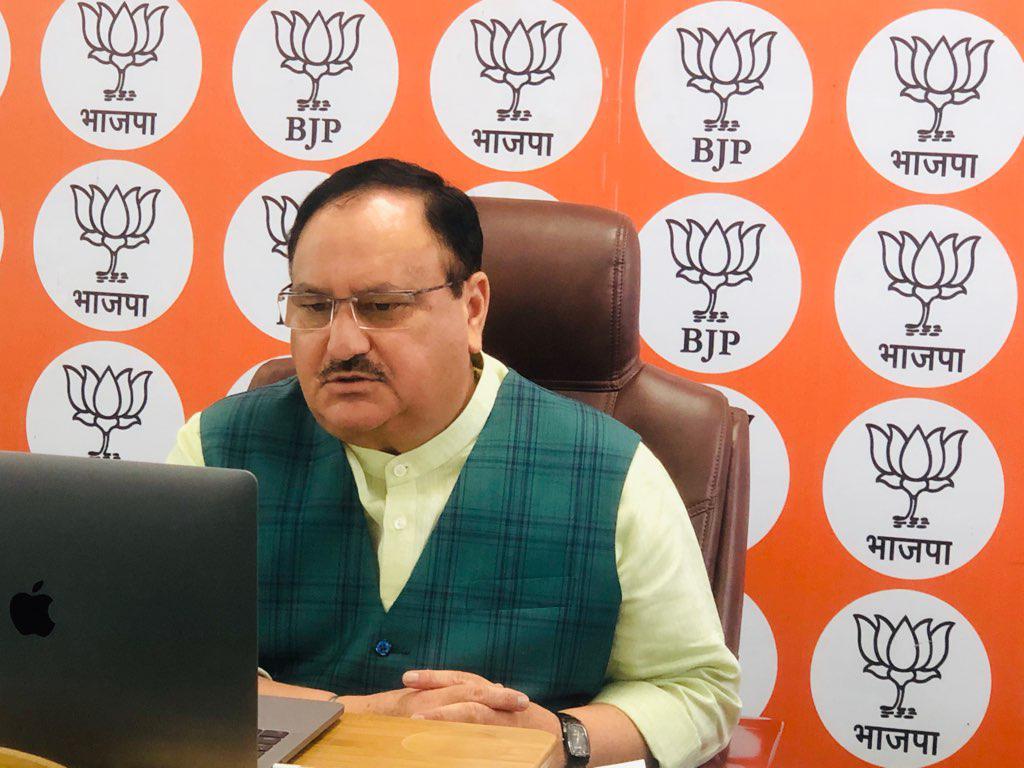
[(382, 648)]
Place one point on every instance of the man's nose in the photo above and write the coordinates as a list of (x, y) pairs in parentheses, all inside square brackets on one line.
[(346, 338)]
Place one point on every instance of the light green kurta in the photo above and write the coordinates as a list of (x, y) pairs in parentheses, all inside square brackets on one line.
[(669, 669)]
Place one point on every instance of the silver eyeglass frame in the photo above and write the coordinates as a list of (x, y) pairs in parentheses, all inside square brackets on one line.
[(352, 301)]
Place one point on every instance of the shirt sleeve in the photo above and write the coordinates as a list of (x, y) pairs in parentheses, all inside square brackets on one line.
[(188, 446), (670, 671)]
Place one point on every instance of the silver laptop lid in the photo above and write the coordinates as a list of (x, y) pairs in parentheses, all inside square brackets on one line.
[(294, 723), (127, 612)]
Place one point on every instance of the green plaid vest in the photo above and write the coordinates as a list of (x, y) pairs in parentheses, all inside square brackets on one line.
[(517, 582)]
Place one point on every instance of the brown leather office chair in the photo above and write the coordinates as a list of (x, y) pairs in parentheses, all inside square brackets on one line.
[(565, 313)]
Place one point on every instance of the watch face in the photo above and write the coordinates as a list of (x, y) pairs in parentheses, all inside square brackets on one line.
[(576, 740)]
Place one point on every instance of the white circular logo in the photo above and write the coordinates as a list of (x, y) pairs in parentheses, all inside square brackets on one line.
[(769, 466), (926, 296), (243, 381), (723, 91), (105, 400), (314, 79), (256, 247), (760, 659), (934, 101), (516, 84), (5, 54), (913, 488), (720, 283), (113, 245), (900, 678), (511, 189), (121, 74)]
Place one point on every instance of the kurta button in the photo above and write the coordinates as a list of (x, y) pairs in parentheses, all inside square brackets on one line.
[(400, 470), (383, 648)]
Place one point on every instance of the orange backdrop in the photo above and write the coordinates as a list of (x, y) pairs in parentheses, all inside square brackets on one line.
[(823, 193)]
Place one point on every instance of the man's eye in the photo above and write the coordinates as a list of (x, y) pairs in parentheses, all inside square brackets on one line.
[(312, 306), (381, 306)]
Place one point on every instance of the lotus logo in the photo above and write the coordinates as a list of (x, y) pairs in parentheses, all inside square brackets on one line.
[(281, 213), (107, 402), (316, 48), (916, 463), (940, 75), (714, 257), (726, 66), (927, 270), (123, 39), (115, 221), (902, 654), (517, 57)]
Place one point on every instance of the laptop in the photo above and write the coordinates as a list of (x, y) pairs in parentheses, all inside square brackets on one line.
[(128, 618)]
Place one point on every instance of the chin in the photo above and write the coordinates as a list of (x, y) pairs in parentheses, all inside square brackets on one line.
[(344, 418)]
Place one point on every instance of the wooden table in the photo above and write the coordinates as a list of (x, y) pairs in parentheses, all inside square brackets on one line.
[(12, 758), (374, 741)]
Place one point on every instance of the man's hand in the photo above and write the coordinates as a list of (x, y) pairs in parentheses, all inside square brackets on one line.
[(271, 688), (438, 695), (456, 688), (467, 698)]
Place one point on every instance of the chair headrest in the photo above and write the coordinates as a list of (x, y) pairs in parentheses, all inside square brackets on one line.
[(565, 292)]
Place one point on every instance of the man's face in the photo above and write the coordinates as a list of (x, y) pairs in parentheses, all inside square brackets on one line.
[(385, 389)]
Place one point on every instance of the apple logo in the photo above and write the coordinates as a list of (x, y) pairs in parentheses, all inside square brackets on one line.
[(31, 613)]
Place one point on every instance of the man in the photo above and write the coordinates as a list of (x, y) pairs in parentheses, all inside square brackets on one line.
[(439, 537)]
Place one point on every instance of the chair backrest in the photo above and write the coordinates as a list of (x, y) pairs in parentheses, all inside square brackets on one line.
[(564, 313)]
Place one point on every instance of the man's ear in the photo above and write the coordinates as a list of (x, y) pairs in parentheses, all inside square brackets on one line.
[(476, 297)]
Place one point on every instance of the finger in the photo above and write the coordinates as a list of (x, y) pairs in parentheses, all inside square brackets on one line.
[(502, 699), (425, 679), (498, 699), (466, 712)]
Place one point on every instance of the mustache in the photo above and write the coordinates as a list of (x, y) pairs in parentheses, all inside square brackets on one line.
[(359, 364)]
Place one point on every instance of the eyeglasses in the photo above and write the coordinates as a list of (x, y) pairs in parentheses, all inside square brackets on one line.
[(372, 310)]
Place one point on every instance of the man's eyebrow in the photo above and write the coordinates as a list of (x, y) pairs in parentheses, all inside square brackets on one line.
[(308, 288)]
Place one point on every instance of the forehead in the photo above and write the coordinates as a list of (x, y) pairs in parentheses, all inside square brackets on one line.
[(374, 239)]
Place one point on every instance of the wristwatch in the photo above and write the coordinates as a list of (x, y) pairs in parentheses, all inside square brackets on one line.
[(575, 741)]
